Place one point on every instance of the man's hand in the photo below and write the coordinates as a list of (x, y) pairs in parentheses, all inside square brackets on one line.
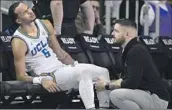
[(100, 84), (50, 85), (118, 82)]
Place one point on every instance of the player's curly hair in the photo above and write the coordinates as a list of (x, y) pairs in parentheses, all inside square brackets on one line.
[(11, 11)]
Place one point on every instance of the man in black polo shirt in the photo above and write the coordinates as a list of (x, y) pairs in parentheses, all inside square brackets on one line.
[(142, 86), (64, 13)]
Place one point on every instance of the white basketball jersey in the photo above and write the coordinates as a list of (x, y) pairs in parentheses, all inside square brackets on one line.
[(40, 58)]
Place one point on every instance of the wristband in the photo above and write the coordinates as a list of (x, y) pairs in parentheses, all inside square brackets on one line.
[(37, 80)]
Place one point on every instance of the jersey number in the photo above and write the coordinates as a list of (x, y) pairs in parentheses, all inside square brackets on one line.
[(46, 53)]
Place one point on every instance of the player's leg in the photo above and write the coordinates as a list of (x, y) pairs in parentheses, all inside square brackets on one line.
[(70, 77), (96, 72)]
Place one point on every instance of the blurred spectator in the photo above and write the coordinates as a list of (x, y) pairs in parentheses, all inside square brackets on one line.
[(64, 13), (132, 10), (170, 2), (116, 9), (149, 12), (79, 23), (98, 27)]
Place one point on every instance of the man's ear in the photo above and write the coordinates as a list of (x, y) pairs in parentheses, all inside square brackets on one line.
[(18, 21), (127, 33)]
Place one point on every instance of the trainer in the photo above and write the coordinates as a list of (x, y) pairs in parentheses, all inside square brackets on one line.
[(142, 86)]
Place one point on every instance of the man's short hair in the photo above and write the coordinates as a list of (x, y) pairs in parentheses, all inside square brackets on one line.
[(11, 10), (126, 23)]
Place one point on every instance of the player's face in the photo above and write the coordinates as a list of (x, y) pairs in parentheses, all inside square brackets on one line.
[(25, 14), (118, 34)]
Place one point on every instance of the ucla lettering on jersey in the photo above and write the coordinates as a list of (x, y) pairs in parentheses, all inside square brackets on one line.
[(41, 46), (39, 57)]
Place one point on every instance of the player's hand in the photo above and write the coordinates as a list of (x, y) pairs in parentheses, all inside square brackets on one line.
[(50, 85), (100, 84), (118, 82)]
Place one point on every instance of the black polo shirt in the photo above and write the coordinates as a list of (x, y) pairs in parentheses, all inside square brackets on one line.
[(141, 71)]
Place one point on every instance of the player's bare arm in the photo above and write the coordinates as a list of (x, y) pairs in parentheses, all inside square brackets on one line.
[(19, 49), (63, 56)]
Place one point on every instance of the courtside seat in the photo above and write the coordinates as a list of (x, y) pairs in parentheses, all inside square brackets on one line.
[(96, 51), (10, 90), (17, 91), (6, 57), (20, 87), (11, 29), (115, 53), (159, 56), (166, 43), (30, 93), (70, 45)]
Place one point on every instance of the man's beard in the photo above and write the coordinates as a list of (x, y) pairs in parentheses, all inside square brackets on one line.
[(119, 41)]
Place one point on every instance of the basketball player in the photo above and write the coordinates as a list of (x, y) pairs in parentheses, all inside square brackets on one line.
[(55, 69)]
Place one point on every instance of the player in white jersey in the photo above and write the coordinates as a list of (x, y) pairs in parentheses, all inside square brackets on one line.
[(31, 49)]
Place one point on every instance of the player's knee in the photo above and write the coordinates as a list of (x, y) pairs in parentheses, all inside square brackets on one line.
[(84, 74), (117, 95), (113, 97), (105, 73)]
